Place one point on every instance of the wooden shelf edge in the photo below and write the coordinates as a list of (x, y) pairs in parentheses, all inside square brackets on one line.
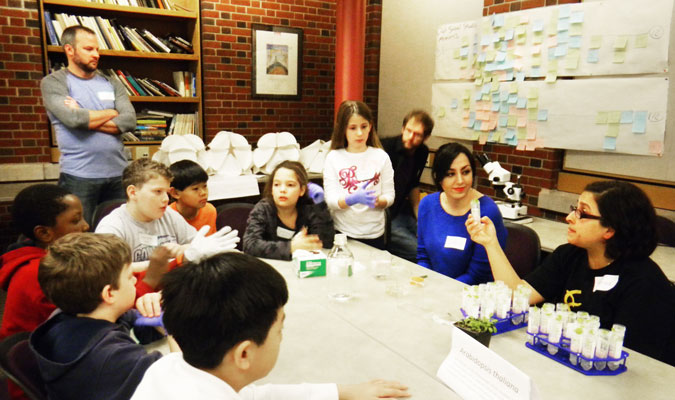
[(124, 9), (164, 99)]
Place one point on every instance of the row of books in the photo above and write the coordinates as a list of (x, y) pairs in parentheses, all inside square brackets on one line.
[(136, 86), (186, 83), (114, 36), (160, 4), (156, 125)]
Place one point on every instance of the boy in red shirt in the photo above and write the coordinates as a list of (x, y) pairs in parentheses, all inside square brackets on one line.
[(190, 191)]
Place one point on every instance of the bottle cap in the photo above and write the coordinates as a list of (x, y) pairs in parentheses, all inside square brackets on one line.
[(340, 239)]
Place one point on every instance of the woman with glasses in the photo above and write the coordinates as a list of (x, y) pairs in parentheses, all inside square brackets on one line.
[(605, 269)]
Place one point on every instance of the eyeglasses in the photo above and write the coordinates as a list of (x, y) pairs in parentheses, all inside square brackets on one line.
[(580, 214)]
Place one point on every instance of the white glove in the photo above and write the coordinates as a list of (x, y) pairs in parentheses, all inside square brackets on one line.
[(203, 246)]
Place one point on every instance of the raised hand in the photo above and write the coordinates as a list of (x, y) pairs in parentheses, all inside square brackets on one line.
[(203, 246), (315, 192)]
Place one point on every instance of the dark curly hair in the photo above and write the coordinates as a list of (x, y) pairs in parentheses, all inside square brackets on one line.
[(38, 205), (626, 209), (444, 157)]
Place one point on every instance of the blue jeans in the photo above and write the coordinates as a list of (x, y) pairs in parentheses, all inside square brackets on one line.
[(92, 191), (403, 241)]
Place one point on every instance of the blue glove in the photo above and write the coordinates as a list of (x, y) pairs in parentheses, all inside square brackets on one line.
[(315, 192), (362, 196), (149, 321)]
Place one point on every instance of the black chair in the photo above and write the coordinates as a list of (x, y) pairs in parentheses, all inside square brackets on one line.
[(665, 231), (234, 215), (522, 248), (104, 209), (19, 364)]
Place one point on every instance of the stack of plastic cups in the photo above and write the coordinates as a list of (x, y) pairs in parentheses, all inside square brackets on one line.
[(487, 304), (503, 301), (521, 300), (555, 328), (601, 349), (576, 335), (616, 345), (533, 323), (547, 310)]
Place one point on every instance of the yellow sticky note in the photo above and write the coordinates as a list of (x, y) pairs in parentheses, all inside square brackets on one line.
[(478, 81), (536, 60), (572, 61), (521, 40), (614, 117), (441, 112), (601, 118), (466, 104), (551, 77), (612, 130), (641, 41), (455, 53), (482, 139), (496, 137), (552, 66), (533, 93), (466, 95), (596, 42), (474, 135), (532, 114), (513, 88), (495, 86), (621, 42), (491, 55), (532, 104), (537, 38), (463, 64), (576, 29), (512, 121), (522, 133), (619, 56), (465, 41)]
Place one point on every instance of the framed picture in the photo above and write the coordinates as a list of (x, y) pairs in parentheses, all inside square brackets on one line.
[(277, 62)]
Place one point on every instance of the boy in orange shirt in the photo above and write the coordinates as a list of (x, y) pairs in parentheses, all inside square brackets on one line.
[(189, 189)]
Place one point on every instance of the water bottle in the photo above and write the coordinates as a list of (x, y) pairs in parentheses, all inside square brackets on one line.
[(339, 264)]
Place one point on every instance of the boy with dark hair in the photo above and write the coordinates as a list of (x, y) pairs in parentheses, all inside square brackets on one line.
[(42, 213), (85, 351), (227, 314), (155, 232), (190, 191)]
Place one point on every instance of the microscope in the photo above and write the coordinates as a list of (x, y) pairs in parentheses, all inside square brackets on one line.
[(498, 176)]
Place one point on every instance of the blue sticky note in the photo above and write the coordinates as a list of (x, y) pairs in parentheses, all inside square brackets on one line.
[(575, 42), (486, 88), (495, 107), (464, 51), (551, 53), (577, 17), (510, 132), (495, 97), (563, 37), (504, 95), (472, 114), (477, 126), (538, 26), (610, 143), (513, 98), (501, 56), (495, 38), (522, 102), (482, 56), (520, 76), (503, 46), (535, 72), (593, 56), (508, 35), (513, 141), (561, 50), (626, 117), (503, 119), (498, 21), (471, 122), (565, 11), (542, 115), (563, 24), (505, 108), (485, 40), (453, 104), (508, 76), (640, 122)]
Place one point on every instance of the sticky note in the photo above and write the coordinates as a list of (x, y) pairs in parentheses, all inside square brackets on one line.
[(565, 11), (563, 24), (620, 43), (553, 66), (577, 17), (563, 37), (504, 109), (576, 30), (498, 21), (522, 102), (531, 113), (612, 130), (613, 117), (561, 50), (522, 133), (501, 56), (533, 93), (538, 26), (552, 42), (513, 98), (503, 120), (482, 139), (522, 122), (537, 38), (551, 77), (619, 56), (535, 72), (639, 122), (596, 42), (641, 41), (593, 56), (656, 147), (465, 41), (508, 35), (520, 31), (531, 131), (453, 104), (536, 60), (520, 77), (520, 146), (609, 143), (474, 135), (513, 120), (601, 118), (466, 95), (575, 42), (626, 117), (455, 53), (542, 115), (532, 103), (572, 61), (513, 87)]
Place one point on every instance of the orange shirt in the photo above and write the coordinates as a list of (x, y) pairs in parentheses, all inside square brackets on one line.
[(205, 216)]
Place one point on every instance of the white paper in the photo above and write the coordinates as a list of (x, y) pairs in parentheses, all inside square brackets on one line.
[(475, 372), (455, 242), (228, 187), (605, 282)]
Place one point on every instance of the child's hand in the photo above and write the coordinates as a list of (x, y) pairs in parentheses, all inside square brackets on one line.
[(149, 305), (315, 192), (303, 241), (377, 389), (362, 196), (203, 247), (158, 265), (482, 232), (174, 249)]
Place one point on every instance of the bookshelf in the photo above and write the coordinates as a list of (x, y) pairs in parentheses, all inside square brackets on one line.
[(182, 21)]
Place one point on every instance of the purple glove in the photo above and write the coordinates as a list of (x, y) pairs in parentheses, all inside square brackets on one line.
[(149, 321), (362, 196), (315, 192)]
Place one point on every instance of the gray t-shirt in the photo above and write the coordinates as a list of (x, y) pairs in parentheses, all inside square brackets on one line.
[(143, 237)]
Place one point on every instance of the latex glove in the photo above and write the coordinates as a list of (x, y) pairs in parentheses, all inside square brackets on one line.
[(315, 192), (203, 246), (362, 196), (149, 321)]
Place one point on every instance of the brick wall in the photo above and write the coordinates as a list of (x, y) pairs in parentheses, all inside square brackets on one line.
[(538, 169)]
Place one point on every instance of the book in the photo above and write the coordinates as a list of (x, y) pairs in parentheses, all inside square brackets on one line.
[(153, 40), (140, 40), (126, 82), (106, 35), (178, 80), (113, 75), (149, 87), (135, 84), (180, 44), (170, 91), (53, 39), (126, 44), (157, 112)]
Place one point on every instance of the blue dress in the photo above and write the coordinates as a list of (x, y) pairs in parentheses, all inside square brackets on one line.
[(444, 245)]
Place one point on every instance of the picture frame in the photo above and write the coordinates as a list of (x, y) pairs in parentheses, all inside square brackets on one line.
[(276, 71)]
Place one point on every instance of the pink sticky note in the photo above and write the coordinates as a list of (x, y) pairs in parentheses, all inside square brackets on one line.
[(656, 147), (521, 145), (485, 126), (465, 122), (465, 114), (482, 139), (532, 131), (522, 122), (552, 41)]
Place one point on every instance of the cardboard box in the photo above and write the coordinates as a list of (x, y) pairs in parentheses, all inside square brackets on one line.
[(308, 264)]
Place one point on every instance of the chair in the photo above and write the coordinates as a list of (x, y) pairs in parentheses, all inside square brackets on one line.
[(104, 209), (522, 248), (665, 231), (234, 215), (19, 364)]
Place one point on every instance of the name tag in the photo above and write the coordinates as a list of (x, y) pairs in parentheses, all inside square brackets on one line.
[(106, 96), (285, 233), (455, 242), (148, 240), (605, 282)]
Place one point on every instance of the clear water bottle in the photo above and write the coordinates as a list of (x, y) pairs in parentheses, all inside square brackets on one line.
[(339, 264)]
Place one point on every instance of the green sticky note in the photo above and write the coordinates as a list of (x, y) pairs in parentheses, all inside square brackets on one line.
[(522, 133), (601, 118), (613, 117), (619, 56), (513, 120), (455, 53), (612, 130), (551, 77), (596, 42), (620, 43), (641, 41)]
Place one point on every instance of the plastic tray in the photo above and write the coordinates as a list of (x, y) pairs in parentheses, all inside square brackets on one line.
[(504, 325), (563, 356)]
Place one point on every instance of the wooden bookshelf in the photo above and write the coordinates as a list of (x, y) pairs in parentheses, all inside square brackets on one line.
[(139, 64)]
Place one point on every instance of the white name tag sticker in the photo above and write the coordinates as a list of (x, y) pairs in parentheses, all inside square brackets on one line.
[(284, 233), (455, 242), (106, 96), (605, 282), (148, 240)]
